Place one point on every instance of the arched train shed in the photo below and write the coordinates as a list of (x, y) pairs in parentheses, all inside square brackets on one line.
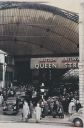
[(38, 29)]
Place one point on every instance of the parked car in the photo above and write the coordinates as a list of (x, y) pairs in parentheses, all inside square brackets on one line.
[(77, 118), (10, 106), (21, 99)]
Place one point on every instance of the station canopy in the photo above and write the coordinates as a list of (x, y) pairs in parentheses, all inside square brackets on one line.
[(28, 28)]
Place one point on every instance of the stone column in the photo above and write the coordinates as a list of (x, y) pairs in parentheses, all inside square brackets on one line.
[(81, 53)]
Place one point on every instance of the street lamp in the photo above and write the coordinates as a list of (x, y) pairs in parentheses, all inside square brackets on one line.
[(42, 90)]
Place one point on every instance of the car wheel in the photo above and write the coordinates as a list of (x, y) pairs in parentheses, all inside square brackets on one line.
[(78, 122)]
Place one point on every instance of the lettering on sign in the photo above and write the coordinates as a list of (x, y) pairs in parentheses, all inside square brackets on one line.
[(71, 65), (37, 66), (70, 62)]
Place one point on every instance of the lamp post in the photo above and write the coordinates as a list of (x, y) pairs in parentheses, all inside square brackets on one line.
[(42, 90)]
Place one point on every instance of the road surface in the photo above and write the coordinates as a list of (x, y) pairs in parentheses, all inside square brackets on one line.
[(32, 125)]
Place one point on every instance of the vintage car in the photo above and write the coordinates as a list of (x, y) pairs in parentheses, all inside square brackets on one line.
[(21, 99), (77, 118), (10, 106)]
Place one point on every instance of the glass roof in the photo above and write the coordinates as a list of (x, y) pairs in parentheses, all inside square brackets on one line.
[(38, 29), (67, 14)]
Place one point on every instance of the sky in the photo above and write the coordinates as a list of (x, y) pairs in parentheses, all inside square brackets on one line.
[(71, 5)]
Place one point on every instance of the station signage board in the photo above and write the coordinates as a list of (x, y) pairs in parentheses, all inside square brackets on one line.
[(54, 62)]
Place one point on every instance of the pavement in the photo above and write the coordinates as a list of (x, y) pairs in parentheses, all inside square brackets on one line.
[(18, 119), (56, 120), (6, 118), (49, 119), (32, 125)]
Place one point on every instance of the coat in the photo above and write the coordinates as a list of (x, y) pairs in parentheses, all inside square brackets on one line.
[(25, 111), (72, 107), (1, 99), (38, 113)]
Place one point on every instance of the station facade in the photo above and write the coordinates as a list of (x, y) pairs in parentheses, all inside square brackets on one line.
[(42, 39)]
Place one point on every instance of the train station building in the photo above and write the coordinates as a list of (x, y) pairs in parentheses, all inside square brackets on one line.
[(43, 41)]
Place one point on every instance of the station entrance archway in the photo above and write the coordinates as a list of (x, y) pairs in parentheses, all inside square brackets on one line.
[(37, 30)]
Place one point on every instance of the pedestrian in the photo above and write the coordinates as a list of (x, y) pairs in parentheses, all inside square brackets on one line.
[(38, 113), (54, 114), (1, 100), (46, 108), (72, 107), (25, 111), (60, 111), (78, 105), (31, 109)]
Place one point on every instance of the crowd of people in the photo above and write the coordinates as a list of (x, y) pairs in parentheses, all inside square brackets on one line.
[(51, 107), (55, 106)]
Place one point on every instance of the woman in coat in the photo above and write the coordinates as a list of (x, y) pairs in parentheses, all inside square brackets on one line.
[(1, 99), (72, 107), (26, 111), (38, 113)]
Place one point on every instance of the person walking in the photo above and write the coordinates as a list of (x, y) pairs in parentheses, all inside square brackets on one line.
[(78, 105), (31, 109), (46, 108), (1, 100), (38, 113), (60, 110), (72, 107), (25, 111)]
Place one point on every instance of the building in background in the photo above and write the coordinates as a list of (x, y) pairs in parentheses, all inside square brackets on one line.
[(39, 30), (6, 69)]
